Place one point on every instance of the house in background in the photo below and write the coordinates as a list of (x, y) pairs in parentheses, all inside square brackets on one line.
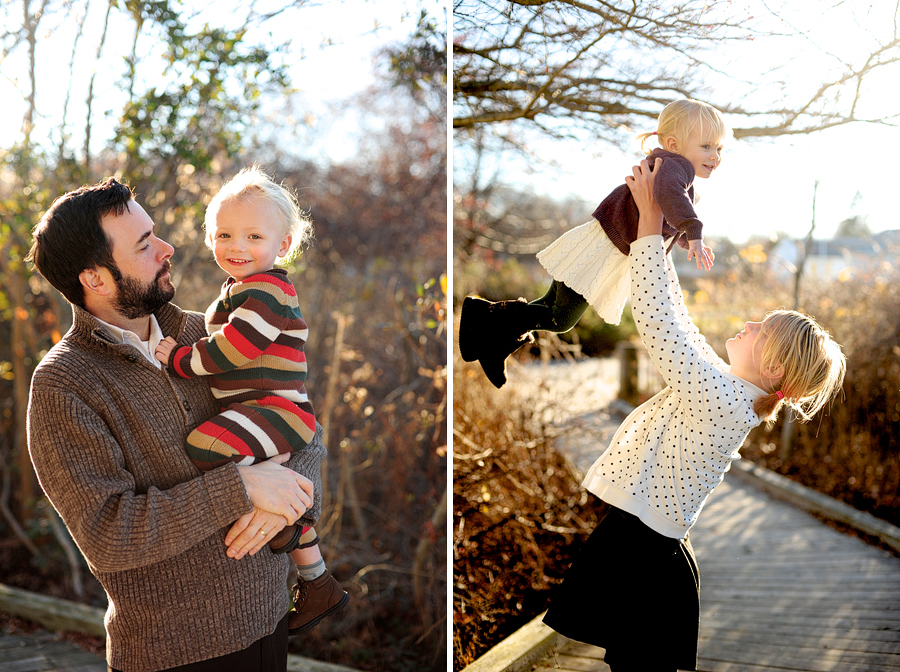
[(837, 258)]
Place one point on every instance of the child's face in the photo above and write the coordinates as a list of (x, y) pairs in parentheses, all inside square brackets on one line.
[(248, 237), (703, 151)]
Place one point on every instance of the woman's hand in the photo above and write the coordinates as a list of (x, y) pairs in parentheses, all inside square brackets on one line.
[(641, 186), (245, 536)]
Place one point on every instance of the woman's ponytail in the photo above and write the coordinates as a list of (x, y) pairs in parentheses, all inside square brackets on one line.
[(814, 366)]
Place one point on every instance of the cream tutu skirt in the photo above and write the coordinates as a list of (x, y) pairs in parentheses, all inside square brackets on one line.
[(585, 260)]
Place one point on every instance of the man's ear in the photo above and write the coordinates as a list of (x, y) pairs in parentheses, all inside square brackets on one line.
[(97, 281)]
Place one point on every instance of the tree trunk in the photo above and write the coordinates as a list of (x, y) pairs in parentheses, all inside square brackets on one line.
[(790, 422)]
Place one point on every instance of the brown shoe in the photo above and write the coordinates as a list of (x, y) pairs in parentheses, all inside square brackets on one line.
[(313, 601)]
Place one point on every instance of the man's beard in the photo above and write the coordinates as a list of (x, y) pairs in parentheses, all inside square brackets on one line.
[(134, 300)]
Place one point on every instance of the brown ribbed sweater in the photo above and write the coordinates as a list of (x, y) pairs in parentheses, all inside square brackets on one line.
[(106, 433)]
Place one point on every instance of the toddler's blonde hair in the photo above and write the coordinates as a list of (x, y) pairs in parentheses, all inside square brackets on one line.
[(254, 183), (814, 365), (679, 119)]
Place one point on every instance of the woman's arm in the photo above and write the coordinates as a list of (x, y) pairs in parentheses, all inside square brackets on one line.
[(676, 346)]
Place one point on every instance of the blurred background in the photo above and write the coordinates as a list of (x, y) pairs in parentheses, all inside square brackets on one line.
[(343, 102), (547, 101)]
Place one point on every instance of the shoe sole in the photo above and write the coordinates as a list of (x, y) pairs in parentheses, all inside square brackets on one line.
[(313, 623), (472, 309)]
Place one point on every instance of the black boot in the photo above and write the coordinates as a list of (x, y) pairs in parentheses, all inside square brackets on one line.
[(491, 331)]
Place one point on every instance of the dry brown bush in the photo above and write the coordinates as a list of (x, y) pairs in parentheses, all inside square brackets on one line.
[(517, 509)]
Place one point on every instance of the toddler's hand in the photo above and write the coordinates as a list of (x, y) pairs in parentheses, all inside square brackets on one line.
[(164, 349), (703, 254)]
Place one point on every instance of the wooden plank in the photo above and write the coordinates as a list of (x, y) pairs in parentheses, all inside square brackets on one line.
[(574, 657), (53, 613), (36, 664), (806, 640), (807, 660), (36, 654), (809, 632)]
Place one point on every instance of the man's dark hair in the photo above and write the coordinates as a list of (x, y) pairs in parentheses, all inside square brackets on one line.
[(69, 238)]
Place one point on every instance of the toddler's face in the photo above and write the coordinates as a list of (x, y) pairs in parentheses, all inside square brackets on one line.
[(703, 151), (248, 237)]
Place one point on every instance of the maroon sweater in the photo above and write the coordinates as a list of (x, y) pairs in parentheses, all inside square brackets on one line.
[(673, 190)]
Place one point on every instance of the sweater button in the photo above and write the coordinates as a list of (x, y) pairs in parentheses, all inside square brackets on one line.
[(187, 405)]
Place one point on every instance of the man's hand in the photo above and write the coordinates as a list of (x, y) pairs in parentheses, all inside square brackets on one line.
[(704, 255), (641, 187), (164, 349), (246, 535), (272, 487)]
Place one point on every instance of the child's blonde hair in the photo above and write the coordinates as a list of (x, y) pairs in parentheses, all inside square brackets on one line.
[(814, 365), (251, 183), (679, 119)]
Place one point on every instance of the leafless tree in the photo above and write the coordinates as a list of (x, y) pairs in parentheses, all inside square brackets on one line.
[(565, 66)]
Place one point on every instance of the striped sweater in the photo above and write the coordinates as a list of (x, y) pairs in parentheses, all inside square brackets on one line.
[(255, 346)]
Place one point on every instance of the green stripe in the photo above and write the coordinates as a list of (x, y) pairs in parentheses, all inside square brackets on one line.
[(281, 426), (267, 373)]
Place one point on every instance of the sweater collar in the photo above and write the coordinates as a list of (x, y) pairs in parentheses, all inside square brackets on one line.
[(170, 317)]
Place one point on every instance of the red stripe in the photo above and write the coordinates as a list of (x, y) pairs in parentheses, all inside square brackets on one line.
[(284, 404), (285, 352), (239, 342), (176, 360), (223, 435), (283, 283)]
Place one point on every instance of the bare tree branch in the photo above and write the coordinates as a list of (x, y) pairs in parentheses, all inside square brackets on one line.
[(601, 67)]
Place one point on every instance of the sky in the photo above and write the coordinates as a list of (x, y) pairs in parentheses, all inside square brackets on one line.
[(765, 186), (762, 187), (337, 41)]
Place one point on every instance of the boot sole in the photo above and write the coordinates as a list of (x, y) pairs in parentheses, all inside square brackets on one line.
[(473, 308), (313, 623)]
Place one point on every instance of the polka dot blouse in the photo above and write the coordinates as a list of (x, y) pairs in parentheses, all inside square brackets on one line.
[(671, 452)]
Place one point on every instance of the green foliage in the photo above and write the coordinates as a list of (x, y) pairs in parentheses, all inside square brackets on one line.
[(214, 84), (420, 65)]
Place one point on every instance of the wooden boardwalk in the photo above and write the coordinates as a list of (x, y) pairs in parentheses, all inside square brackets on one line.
[(43, 652), (780, 591)]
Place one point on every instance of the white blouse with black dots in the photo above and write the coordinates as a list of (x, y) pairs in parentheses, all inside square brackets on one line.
[(671, 451)]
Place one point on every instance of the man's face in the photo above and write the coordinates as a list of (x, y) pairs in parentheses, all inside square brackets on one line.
[(142, 260)]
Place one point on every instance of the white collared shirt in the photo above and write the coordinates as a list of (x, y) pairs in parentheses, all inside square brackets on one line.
[(146, 348)]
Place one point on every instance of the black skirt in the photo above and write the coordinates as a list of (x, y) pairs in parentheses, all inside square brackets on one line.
[(633, 592)]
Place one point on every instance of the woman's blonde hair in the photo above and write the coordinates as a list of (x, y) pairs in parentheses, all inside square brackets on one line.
[(254, 183), (814, 365), (679, 119)]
